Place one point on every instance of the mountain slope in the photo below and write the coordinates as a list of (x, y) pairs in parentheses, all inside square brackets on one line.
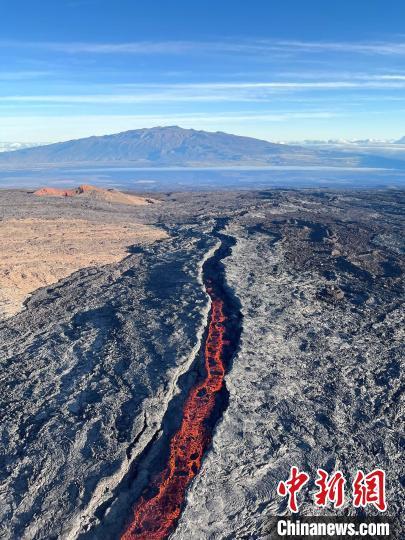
[(174, 146), (168, 145)]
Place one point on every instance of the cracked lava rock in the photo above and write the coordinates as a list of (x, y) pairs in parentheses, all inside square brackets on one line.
[(99, 370), (154, 518)]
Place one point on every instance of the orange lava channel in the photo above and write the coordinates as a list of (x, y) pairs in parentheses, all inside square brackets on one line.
[(154, 518)]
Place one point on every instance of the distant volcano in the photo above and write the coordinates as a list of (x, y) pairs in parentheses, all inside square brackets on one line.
[(174, 146)]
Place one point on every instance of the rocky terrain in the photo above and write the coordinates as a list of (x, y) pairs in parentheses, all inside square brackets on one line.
[(96, 369), (317, 381)]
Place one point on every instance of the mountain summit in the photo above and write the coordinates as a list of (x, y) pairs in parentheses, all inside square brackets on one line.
[(155, 146), (174, 146)]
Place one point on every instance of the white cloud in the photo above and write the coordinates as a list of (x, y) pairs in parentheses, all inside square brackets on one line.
[(378, 47), (137, 47), (204, 92), (252, 47)]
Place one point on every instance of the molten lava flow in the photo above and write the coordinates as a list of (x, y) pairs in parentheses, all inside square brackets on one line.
[(154, 518)]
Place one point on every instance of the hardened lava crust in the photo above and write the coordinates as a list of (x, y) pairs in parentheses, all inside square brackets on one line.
[(98, 364)]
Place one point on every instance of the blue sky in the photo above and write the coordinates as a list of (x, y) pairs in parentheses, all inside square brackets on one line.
[(278, 70)]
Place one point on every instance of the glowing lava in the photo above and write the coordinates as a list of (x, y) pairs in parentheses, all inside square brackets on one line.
[(154, 518)]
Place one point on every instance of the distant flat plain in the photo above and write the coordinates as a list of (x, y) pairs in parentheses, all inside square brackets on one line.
[(190, 179)]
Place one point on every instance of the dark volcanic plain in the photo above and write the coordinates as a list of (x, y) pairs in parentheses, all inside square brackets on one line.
[(95, 369)]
